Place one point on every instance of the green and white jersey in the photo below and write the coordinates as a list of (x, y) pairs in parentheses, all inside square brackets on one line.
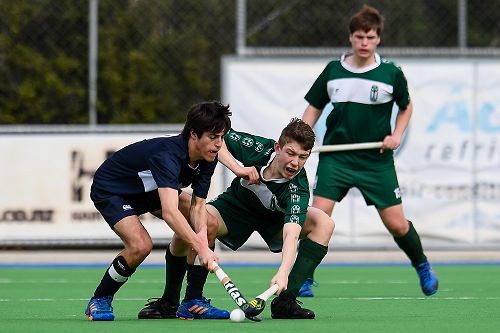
[(272, 200), (362, 102)]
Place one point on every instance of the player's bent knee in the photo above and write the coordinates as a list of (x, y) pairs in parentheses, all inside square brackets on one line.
[(329, 227), (179, 247), (185, 204), (141, 249), (322, 221), (398, 229), (212, 228), (324, 227)]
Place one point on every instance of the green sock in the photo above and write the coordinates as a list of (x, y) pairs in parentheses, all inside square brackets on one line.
[(411, 245), (174, 275), (308, 258)]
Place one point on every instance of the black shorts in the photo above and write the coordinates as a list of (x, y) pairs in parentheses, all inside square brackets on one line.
[(115, 207)]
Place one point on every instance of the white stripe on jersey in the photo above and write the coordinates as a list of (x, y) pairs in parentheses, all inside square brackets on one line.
[(147, 180), (359, 91), (266, 197)]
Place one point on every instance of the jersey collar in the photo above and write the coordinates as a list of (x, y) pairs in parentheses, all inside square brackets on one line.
[(351, 69)]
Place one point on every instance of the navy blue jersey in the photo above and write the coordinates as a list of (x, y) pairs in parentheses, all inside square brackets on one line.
[(147, 165)]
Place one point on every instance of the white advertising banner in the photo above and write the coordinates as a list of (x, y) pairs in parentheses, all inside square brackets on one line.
[(45, 191), (448, 164)]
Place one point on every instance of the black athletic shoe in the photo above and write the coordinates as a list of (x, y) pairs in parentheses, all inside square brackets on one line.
[(157, 308), (283, 307)]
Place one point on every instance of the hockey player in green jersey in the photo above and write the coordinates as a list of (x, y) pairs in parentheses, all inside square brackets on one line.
[(270, 195), (363, 87)]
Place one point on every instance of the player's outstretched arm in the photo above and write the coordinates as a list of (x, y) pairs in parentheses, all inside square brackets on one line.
[(249, 173), (291, 232), (178, 223), (198, 217)]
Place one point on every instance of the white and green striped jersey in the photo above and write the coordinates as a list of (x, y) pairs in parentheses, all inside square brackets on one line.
[(362, 101), (272, 199)]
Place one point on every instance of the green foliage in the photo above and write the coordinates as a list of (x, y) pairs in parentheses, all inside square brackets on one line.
[(158, 57), (40, 80), (155, 59)]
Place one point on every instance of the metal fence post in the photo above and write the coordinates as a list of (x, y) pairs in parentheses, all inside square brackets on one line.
[(93, 22)]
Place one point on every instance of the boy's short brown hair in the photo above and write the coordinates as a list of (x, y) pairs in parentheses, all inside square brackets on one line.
[(368, 18), (299, 131)]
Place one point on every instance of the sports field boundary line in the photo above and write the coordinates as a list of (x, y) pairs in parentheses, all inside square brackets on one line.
[(100, 258), (252, 265)]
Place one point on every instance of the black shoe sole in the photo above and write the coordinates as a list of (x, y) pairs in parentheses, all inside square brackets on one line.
[(274, 316), (155, 316)]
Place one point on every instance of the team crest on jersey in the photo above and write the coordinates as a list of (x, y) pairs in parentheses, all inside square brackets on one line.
[(234, 136), (293, 188), (259, 146), (295, 209), (248, 142), (269, 151), (295, 198), (374, 94), (294, 219)]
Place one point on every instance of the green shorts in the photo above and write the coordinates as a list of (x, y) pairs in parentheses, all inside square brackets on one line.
[(379, 187), (241, 222)]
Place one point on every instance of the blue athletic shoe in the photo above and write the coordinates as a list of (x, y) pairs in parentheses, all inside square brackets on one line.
[(306, 289), (428, 280), (100, 309), (200, 309)]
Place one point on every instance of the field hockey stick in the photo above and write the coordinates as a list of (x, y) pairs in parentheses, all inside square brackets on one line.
[(233, 291), (251, 309), (259, 302), (347, 146)]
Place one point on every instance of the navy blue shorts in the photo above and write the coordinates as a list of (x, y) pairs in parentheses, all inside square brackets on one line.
[(114, 207)]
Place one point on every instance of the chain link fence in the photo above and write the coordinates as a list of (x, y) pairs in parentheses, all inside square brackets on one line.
[(416, 28), (157, 57)]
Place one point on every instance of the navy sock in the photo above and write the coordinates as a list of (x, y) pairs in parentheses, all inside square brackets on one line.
[(175, 270), (114, 277), (196, 278)]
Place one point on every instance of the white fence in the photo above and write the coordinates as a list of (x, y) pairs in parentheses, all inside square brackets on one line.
[(46, 182), (448, 165)]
